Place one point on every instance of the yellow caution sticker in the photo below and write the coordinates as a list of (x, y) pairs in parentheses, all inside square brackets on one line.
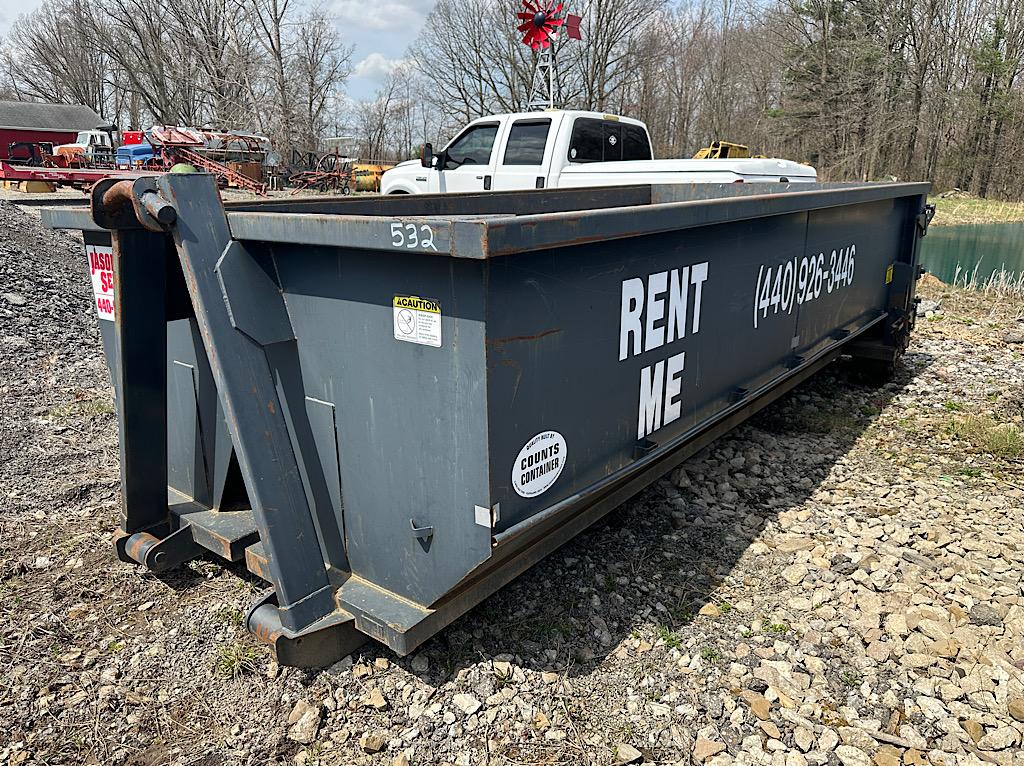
[(417, 320), (888, 274)]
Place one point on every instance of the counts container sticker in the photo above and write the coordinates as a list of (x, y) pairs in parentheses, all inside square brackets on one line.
[(417, 320), (539, 463), (101, 269)]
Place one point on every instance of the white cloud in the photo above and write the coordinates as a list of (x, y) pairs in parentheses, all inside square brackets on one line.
[(397, 15), (377, 67)]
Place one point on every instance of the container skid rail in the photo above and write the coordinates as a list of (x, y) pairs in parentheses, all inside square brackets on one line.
[(391, 407)]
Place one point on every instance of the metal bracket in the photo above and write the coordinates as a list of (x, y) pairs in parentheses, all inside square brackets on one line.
[(487, 517), (318, 645), (644, 447), (254, 302), (131, 204), (161, 554), (421, 533)]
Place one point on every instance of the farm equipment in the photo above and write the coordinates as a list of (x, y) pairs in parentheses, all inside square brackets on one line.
[(226, 175), (390, 407), (29, 153), (330, 173)]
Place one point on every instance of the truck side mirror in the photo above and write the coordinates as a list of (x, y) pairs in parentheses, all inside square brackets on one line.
[(427, 155)]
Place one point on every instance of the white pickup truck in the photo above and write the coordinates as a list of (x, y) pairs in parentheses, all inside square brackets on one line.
[(559, 149)]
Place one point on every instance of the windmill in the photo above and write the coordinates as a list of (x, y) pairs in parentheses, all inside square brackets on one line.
[(540, 24)]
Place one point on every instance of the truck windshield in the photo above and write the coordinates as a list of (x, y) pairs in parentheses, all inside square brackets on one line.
[(607, 141), (474, 146)]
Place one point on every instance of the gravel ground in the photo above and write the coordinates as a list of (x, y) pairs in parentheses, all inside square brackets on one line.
[(836, 582)]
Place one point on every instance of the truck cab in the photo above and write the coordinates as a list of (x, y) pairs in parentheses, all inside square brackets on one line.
[(94, 146), (563, 148)]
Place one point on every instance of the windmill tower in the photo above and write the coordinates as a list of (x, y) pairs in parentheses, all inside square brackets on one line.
[(541, 20)]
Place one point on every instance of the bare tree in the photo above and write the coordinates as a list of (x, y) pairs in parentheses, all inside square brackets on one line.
[(270, 18), (321, 64)]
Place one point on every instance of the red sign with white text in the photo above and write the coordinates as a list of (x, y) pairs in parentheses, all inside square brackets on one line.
[(101, 269)]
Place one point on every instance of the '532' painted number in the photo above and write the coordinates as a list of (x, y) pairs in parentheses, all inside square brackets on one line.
[(409, 236)]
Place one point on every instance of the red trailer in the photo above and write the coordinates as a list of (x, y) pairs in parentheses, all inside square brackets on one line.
[(81, 178), (25, 121)]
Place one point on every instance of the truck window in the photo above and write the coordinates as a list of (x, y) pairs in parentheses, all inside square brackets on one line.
[(526, 142), (607, 141), (587, 141), (474, 146), (635, 144)]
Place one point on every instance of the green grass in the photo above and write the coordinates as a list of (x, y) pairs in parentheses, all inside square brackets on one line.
[(87, 407), (1005, 440), (231, 616), (779, 628), (681, 613), (951, 212), (669, 636), (234, 660), (709, 654)]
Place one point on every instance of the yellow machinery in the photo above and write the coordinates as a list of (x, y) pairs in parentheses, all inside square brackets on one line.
[(722, 150), (367, 175)]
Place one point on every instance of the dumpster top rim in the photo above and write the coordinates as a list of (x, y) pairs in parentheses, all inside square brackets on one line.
[(481, 236), (488, 236)]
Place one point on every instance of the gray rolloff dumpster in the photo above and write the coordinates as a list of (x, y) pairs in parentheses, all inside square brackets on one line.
[(391, 407)]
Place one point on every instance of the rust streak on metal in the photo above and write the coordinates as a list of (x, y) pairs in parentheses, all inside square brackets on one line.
[(518, 338)]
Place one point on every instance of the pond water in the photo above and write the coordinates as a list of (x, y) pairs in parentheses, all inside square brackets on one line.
[(989, 247)]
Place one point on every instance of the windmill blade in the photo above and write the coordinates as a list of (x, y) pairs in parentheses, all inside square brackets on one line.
[(527, 25), (525, 16), (572, 26)]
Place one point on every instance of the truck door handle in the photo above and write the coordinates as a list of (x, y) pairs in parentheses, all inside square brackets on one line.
[(487, 183)]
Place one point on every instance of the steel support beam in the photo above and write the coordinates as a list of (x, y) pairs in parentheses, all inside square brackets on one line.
[(252, 406)]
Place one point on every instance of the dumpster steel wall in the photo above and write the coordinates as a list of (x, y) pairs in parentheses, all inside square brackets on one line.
[(391, 407)]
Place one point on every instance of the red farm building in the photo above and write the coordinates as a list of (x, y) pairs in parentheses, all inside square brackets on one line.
[(42, 123)]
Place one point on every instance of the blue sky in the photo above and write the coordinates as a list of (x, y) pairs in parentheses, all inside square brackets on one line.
[(380, 31)]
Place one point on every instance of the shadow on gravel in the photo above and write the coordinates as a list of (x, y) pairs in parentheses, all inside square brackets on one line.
[(651, 564)]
